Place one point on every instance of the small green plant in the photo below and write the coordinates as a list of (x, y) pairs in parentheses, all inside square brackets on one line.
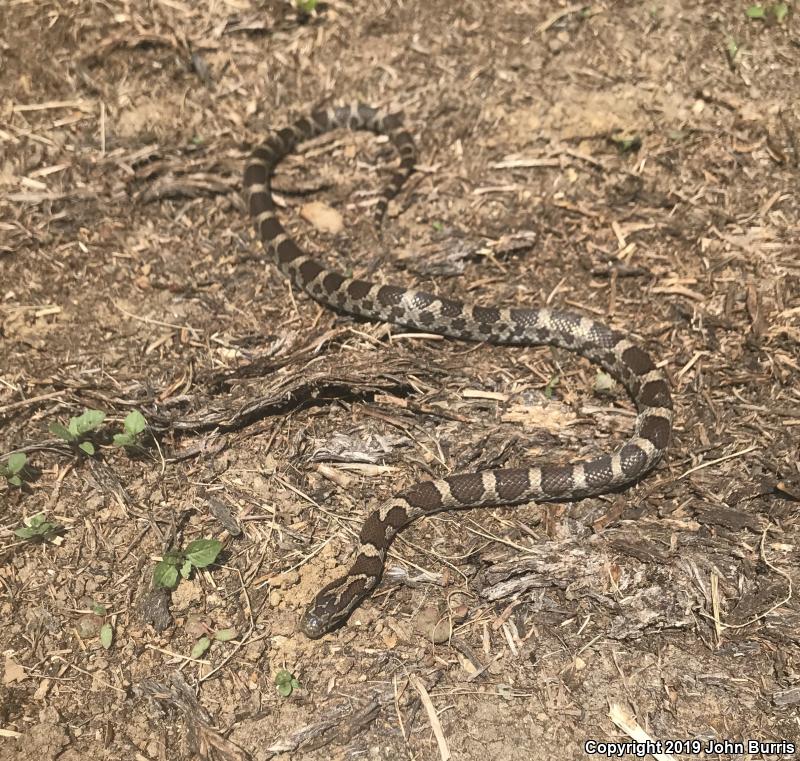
[(305, 6), (732, 49), (778, 11), (78, 428), (437, 226), (286, 683), (14, 468), (200, 647), (36, 527), (550, 388), (134, 426), (106, 630), (198, 554), (627, 144), (604, 383)]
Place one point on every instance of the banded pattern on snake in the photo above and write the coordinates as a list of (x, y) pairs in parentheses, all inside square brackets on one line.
[(611, 349)]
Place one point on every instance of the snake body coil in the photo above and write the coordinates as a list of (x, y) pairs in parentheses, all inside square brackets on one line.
[(610, 349)]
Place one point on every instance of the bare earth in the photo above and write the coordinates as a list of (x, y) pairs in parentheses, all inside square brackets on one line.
[(637, 161)]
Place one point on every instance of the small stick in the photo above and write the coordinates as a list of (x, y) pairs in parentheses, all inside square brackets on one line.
[(628, 724), (718, 460), (433, 718)]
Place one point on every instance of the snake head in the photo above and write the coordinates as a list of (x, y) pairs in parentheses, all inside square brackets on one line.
[(328, 610), (312, 625), (335, 602)]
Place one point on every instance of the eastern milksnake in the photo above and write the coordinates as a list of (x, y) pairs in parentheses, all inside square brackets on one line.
[(610, 349)]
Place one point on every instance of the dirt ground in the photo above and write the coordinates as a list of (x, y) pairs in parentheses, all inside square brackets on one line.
[(636, 161)]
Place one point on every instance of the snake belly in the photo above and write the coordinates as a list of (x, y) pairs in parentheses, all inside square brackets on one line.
[(611, 349)]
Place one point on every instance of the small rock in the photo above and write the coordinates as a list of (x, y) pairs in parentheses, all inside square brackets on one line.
[(195, 626), (284, 580), (89, 625), (323, 217), (432, 625), (187, 593), (13, 672), (255, 650)]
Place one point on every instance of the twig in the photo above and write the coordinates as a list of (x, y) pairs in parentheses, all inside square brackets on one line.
[(433, 718), (715, 462), (89, 673), (558, 15), (628, 724), (789, 594)]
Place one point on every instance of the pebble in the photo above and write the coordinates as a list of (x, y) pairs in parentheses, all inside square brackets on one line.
[(432, 625)]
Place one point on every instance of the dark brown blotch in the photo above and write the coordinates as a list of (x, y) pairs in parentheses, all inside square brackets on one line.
[(270, 228), (370, 566), (397, 517), (374, 531), (637, 360), (395, 183), (288, 251), (332, 281), (390, 295), (486, 315), (287, 137), (556, 479), (275, 144), (655, 394), (403, 141), (425, 496), (380, 210), (467, 489), (656, 430), (304, 127), (511, 484), (320, 118), (391, 122), (255, 174), (359, 288), (356, 590), (598, 472), (365, 113), (309, 270), (450, 308), (264, 153), (259, 202), (423, 300), (633, 458)]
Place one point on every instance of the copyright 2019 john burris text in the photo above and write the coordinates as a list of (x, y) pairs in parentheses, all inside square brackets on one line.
[(614, 749)]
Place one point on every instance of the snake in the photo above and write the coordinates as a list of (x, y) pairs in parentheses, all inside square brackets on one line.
[(612, 350)]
